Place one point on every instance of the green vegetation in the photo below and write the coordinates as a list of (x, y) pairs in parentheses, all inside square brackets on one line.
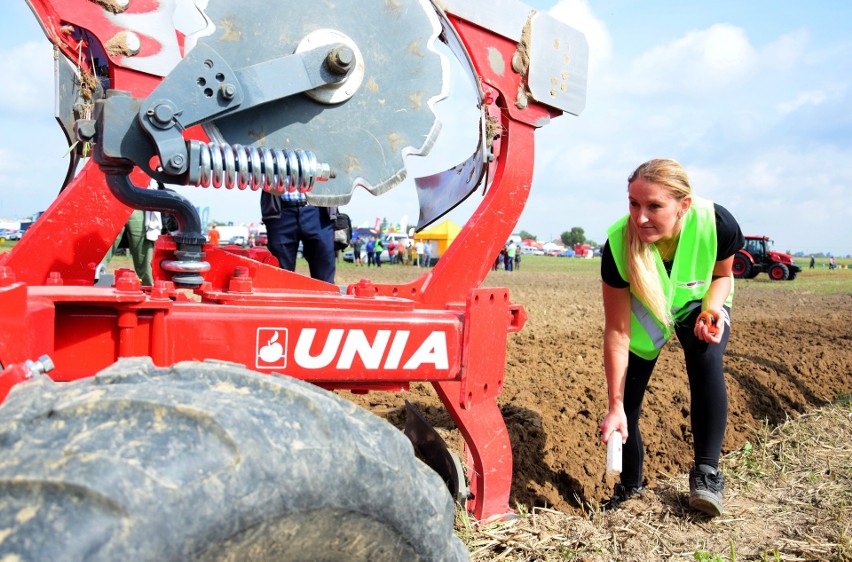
[(822, 263), (818, 281), (575, 236)]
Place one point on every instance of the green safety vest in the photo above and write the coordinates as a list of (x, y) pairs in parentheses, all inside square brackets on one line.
[(692, 272)]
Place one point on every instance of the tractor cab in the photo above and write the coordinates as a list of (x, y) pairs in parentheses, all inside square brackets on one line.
[(757, 245)]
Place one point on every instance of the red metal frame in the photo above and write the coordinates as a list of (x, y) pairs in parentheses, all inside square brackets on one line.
[(442, 328)]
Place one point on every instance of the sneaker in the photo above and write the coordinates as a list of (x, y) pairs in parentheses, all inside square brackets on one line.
[(621, 494), (705, 489)]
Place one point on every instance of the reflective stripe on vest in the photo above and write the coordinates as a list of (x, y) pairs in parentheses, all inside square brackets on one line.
[(648, 322)]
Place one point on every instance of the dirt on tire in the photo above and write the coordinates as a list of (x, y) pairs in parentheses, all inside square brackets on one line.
[(789, 352)]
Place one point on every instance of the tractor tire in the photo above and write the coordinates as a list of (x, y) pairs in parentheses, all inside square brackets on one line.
[(742, 267), (779, 272), (210, 461)]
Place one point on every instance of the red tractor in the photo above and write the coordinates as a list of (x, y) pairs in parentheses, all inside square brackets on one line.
[(191, 419), (756, 256)]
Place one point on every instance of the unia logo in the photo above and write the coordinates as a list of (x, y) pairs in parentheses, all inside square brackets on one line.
[(389, 349), (271, 353)]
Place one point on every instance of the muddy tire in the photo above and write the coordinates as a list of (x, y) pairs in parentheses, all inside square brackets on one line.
[(210, 461)]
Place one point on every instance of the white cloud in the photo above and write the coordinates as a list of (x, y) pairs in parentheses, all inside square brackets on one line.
[(701, 62), (786, 52), (29, 75), (579, 15), (794, 196), (804, 98), (7, 161), (760, 123), (760, 128)]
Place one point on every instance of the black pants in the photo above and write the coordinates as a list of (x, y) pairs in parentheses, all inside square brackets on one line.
[(708, 400), (314, 228)]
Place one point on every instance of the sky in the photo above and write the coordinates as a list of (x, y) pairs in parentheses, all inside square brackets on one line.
[(753, 98)]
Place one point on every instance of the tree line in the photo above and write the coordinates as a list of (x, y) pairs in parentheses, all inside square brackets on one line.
[(569, 238)]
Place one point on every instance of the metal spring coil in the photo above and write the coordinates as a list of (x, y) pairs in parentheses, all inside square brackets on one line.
[(244, 167)]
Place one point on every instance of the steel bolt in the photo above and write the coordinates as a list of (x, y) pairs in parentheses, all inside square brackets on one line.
[(240, 282), (43, 365), (162, 114), (176, 161), (229, 91), (518, 63), (133, 42), (363, 289), (126, 281), (160, 291), (325, 172), (46, 363), (340, 60)]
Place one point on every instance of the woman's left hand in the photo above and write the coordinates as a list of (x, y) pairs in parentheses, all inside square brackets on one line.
[(710, 326)]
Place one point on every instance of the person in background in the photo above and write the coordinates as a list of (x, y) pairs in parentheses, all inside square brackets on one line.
[(500, 263), (371, 251), (427, 253), (813, 263), (391, 251), (357, 244), (289, 219), (418, 252), (141, 231), (213, 235), (666, 268), (511, 252), (377, 252)]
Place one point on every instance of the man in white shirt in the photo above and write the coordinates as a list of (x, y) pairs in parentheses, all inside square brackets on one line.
[(418, 247)]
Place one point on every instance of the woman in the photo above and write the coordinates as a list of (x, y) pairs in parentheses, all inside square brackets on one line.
[(665, 264)]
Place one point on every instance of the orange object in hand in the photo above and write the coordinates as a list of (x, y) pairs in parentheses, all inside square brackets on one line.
[(710, 321)]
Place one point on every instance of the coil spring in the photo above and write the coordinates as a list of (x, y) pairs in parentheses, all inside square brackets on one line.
[(244, 167)]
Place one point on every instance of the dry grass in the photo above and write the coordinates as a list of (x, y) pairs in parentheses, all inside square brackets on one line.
[(788, 498)]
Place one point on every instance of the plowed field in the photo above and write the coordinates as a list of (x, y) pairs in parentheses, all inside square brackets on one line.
[(790, 351)]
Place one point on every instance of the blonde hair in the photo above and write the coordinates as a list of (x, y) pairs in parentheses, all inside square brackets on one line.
[(645, 283)]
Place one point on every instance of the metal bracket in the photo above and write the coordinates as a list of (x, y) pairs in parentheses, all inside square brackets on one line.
[(488, 318), (220, 90)]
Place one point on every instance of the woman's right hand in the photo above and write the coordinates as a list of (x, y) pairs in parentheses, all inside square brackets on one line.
[(615, 420)]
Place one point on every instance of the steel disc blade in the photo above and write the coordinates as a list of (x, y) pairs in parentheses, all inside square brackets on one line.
[(366, 137)]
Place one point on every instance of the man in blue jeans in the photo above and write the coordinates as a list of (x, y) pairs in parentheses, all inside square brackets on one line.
[(289, 219)]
